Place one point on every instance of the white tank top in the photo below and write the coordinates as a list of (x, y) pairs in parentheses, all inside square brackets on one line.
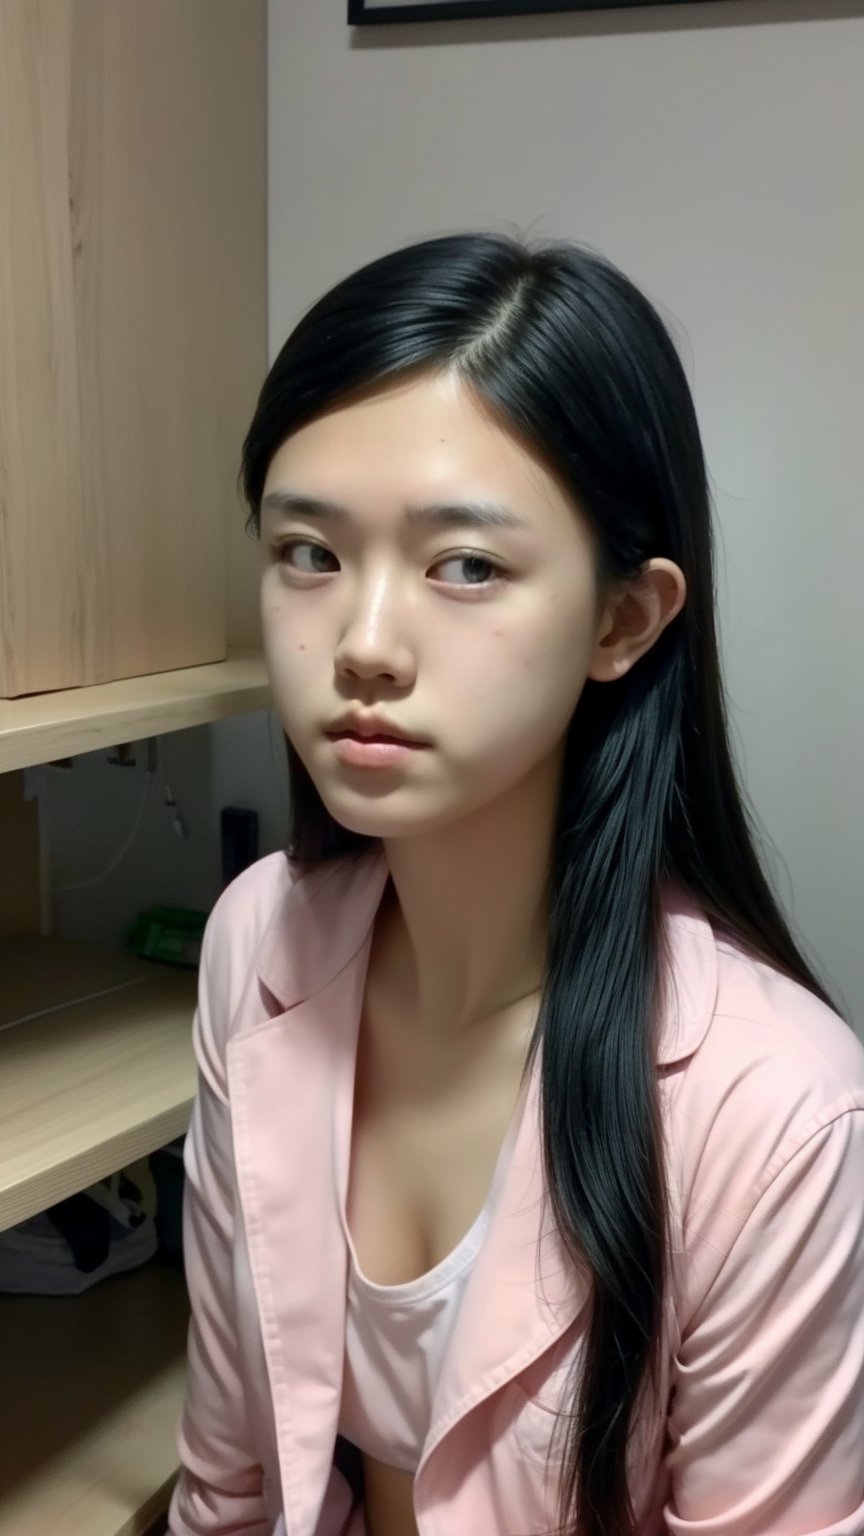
[(395, 1339)]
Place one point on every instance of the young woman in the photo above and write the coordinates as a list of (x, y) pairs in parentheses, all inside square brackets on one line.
[(524, 1179)]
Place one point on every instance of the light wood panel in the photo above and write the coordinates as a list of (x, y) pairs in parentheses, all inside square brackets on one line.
[(94, 1085), (133, 343), (44, 727), (92, 1391)]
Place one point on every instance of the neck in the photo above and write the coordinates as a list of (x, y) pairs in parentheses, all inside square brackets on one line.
[(464, 916)]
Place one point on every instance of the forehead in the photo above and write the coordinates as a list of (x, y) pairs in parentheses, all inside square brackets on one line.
[(428, 439)]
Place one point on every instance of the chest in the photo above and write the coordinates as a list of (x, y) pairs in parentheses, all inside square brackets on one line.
[(429, 1121)]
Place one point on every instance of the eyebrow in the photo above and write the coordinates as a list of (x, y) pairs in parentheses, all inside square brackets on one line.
[(439, 514)]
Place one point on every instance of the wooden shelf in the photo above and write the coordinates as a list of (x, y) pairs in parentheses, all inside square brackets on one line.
[(41, 727), (92, 1392), (93, 1084)]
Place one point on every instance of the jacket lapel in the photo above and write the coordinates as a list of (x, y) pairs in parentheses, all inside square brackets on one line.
[(291, 1080), (522, 1292)]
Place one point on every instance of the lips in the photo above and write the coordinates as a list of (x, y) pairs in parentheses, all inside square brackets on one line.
[(364, 732), (399, 741)]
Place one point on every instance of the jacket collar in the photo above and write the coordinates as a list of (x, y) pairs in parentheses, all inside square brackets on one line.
[(326, 914)]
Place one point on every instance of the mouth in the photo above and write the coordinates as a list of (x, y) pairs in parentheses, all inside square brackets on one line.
[(396, 741)]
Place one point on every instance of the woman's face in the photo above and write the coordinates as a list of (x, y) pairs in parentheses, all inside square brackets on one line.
[(477, 639)]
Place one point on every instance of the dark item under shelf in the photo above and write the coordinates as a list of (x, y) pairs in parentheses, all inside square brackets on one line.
[(166, 1166)]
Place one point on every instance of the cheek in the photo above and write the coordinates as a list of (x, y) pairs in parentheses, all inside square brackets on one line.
[(291, 669), (534, 679), (287, 634)]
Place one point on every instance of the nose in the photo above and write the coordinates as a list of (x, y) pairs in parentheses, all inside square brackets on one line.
[(373, 641)]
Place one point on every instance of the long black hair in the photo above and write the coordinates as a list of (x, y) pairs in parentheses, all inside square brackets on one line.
[(575, 361)]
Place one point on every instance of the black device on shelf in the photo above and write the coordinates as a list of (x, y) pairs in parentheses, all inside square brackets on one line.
[(239, 830)]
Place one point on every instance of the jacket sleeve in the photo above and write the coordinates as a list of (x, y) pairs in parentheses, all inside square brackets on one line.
[(219, 1492), (767, 1417)]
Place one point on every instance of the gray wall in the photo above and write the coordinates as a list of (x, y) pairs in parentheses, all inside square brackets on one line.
[(716, 153)]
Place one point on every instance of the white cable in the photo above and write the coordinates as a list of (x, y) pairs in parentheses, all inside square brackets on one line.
[(83, 885)]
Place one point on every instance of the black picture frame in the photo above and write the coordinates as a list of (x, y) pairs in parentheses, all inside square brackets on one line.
[(371, 13)]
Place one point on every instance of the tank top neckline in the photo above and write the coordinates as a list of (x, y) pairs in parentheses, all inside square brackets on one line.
[(453, 1263)]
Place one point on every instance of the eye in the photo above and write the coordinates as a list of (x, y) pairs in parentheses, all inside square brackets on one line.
[(475, 560), (283, 551), (287, 546)]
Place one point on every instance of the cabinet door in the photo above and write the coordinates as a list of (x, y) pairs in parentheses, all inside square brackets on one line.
[(132, 328)]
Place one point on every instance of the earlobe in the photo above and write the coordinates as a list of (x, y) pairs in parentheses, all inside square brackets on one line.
[(607, 669)]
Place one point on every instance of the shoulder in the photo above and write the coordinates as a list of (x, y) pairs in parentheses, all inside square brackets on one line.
[(241, 914), (232, 935), (775, 1072), (783, 1045), (247, 903), (280, 931)]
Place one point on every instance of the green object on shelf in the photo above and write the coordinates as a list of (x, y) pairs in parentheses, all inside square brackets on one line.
[(171, 934)]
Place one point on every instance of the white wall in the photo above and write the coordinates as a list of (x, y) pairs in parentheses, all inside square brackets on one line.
[(715, 151)]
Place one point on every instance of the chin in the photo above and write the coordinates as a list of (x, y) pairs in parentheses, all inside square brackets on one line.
[(391, 824), (374, 826)]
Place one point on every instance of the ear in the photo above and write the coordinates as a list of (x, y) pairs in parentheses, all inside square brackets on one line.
[(636, 613)]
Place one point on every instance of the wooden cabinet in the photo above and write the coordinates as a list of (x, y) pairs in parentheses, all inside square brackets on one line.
[(132, 329), (132, 348), (102, 1073)]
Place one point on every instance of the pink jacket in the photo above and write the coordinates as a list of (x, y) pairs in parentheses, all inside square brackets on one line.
[(763, 1092)]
